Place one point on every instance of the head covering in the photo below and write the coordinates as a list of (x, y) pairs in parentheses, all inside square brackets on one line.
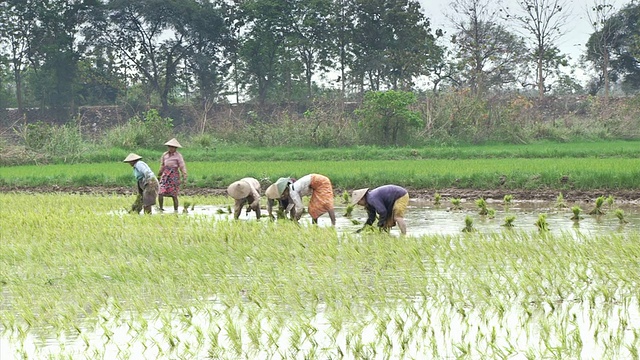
[(173, 142), (272, 192), (239, 189), (357, 195), (132, 157), (281, 184)]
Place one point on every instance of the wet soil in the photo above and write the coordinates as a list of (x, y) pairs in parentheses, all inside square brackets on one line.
[(632, 196)]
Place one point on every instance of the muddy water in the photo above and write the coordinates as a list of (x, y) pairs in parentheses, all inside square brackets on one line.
[(425, 218)]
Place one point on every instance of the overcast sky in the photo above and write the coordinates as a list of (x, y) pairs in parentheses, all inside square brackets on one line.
[(577, 30)]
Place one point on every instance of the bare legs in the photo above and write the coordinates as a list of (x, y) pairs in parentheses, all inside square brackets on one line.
[(161, 202)]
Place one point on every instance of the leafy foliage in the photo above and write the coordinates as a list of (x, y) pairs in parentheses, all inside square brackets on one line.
[(386, 118)]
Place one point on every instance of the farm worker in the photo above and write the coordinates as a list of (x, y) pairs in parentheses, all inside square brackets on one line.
[(283, 203), (245, 191), (146, 181), (388, 201), (316, 185), (171, 166)]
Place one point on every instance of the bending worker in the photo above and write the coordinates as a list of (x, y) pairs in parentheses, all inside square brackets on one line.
[(147, 184), (316, 185), (388, 201), (245, 191), (283, 203)]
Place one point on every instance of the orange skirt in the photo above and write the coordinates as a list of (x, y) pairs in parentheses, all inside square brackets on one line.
[(322, 196)]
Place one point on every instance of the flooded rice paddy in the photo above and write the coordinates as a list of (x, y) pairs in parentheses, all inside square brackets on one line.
[(575, 311)]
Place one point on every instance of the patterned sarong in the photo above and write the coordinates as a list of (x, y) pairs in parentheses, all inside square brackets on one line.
[(322, 196), (399, 209), (169, 181)]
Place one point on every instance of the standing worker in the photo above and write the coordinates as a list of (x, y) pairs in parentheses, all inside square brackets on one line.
[(316, 185), (388, 201), (245, 191), (147, 184), (171, 166)]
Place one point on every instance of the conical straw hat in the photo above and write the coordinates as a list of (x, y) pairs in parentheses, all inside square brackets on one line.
[(132, 157), (173, 142), (358, 194), (281, 184), (239, 189), (272, 192)]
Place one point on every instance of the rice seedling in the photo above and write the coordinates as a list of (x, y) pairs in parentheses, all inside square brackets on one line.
[(620, 215), (482, 204), (541, 223), (437, 198), (456, 203), (136, 207), (185, 208), (576, 210), (610, 200), (508, 221), (598, 210), (508, 198), (345, 197), (348, 210), (560, 203), (491, 213), (468, 225)]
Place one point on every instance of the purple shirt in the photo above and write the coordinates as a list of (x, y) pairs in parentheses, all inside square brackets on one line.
[(380, 200)]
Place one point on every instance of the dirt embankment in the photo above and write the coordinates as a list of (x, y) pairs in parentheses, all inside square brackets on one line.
[(426, 194)]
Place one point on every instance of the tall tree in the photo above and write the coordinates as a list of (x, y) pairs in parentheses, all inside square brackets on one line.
[(391, 43), (599, 15), (489, 56), (544, 20), (263, 47), (156, 36), (622, 34), (17, 24), (312, 35)]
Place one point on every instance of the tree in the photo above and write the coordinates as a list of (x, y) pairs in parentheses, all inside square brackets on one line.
[(17, 23), (391, 44), (621, 34), (312, 35), (386, 118), (263, 53), (544, 20), (599, 46), (156, 36), (488, 54)]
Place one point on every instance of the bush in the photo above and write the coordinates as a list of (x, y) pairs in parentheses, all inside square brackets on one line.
[(149, 131)]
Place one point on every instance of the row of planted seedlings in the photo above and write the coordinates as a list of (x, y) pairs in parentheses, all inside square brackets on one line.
[(83, 281), (601, 205)]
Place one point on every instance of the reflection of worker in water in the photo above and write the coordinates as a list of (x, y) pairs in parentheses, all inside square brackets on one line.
[(147, 184), (273, 195), (388, 201), (245, 191), (316, 185)]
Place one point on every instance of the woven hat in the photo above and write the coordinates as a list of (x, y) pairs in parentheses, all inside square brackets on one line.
[(173, 142), (357, 195), (281, 185), (132, 157), (239, 189), (272, 192)]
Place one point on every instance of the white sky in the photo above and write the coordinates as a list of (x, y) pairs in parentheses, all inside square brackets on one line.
[(577, 30)]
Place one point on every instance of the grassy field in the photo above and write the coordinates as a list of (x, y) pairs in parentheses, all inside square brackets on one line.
[(607, 173), (77, 272)]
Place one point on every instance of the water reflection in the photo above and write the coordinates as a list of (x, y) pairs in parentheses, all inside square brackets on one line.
[(425, 218)]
